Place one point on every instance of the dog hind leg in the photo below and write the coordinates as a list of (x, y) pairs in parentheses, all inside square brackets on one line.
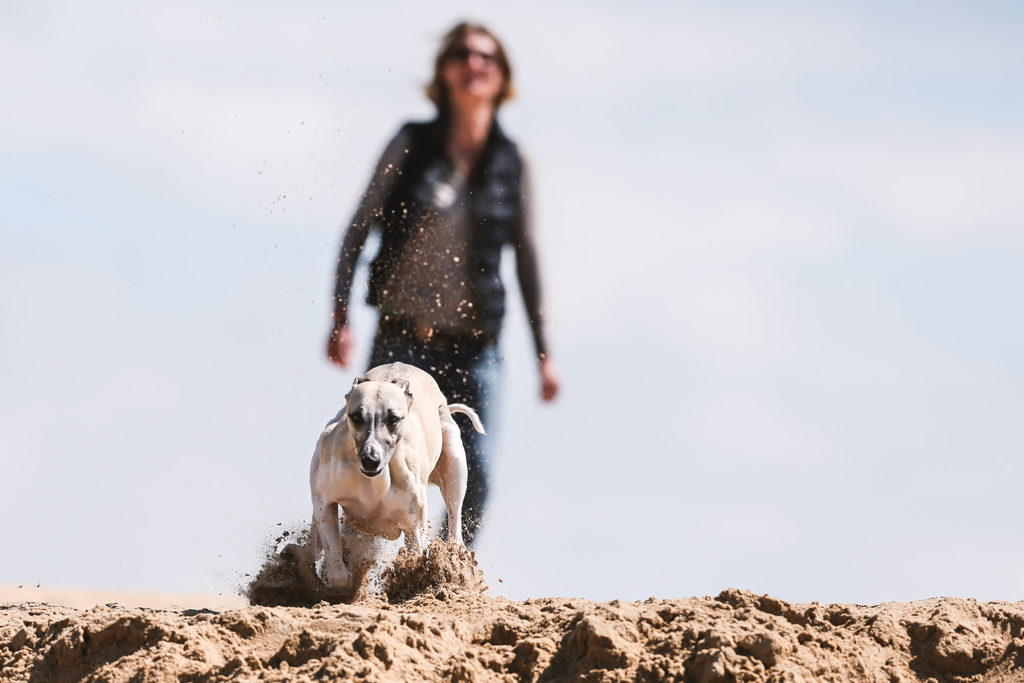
[(451, 475)]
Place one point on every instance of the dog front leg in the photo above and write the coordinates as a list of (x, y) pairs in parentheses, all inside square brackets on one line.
[(411, 518), (327, 539), (415, 538), (363, 550)]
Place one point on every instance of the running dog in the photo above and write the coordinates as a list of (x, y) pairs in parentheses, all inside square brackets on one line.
[(394, 436)]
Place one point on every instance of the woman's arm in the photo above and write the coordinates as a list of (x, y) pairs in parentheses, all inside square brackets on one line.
[(528, 274), (339, 343)]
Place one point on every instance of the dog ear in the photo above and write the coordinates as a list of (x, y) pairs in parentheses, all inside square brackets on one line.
[(356, 381), (403, 384)]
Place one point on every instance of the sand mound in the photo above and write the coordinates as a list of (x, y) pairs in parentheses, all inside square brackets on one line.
[(736, 636), (443, 570), (289, 578)]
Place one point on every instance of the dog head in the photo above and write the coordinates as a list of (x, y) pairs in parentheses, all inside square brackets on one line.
[(376, 413)]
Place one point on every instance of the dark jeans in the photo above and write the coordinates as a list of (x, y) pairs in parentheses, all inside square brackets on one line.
[(467, 371)]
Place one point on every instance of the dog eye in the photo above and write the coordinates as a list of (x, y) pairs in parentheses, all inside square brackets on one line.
[(356, 419), (393, 421)]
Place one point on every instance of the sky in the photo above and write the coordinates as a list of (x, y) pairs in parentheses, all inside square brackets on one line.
[(783, 256)]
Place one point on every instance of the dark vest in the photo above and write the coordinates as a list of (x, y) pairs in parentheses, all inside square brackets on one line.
[(495, 207)]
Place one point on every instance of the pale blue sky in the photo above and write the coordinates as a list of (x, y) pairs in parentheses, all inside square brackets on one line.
[(784, 258)]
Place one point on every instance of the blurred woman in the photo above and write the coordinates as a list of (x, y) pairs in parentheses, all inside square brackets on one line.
[(447, 196)]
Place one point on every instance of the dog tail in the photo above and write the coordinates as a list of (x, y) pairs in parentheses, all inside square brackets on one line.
[(470, 413)]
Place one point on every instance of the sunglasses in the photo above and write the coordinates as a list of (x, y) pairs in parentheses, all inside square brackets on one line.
[(462, 54)]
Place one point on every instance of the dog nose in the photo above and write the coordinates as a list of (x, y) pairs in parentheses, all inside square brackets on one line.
[(370, 458)]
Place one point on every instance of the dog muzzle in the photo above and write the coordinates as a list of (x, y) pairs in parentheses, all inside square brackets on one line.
[(370, 473)]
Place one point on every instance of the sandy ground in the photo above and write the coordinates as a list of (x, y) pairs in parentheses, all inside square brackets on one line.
[(11, 594), (445, 629)]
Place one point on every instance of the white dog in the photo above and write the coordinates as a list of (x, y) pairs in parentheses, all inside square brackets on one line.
[(374, 459)]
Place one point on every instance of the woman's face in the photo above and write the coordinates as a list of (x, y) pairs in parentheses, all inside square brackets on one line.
[(471, 72)]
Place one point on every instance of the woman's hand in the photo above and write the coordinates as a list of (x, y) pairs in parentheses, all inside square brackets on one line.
[(549, 382), (339, 346)]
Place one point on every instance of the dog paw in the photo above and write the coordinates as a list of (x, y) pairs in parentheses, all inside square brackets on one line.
[(337, 579)]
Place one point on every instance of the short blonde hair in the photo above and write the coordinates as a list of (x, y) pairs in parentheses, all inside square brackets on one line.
[(437, 91)]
